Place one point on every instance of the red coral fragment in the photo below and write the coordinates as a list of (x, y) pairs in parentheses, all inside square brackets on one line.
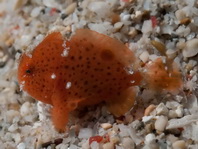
[(95, 138), (154, 21), (52, 11), (99, 139)]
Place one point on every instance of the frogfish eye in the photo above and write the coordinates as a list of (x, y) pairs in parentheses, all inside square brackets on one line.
[(28, 71)]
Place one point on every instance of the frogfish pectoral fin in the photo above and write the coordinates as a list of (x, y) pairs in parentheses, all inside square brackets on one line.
[(61, 110), (122, 103), (60, 116)]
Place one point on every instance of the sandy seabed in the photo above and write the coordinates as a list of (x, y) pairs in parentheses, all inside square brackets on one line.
[(157, 121)]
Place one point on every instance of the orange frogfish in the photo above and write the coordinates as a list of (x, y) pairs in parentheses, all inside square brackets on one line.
[(85, 70)]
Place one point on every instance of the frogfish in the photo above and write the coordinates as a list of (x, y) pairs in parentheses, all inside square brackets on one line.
[(87, 69)]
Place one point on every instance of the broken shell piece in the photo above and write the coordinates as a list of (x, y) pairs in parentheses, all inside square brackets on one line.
[(149, 109), (172, 138), (70, 9), (185, 21), (108, 145), (180, 144), (147, 27), (106, 126), (178, 123), (118, 25), (9, 41), (144, 56), (179, 111), (162, 109), (159, 46), (128, 143), (180, 14), (191, 48), (161, 123), (172, 114), (133, 32), (19, 4), (171, 54)]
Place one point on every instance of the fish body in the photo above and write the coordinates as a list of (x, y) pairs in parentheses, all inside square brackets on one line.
[(87, 69)]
